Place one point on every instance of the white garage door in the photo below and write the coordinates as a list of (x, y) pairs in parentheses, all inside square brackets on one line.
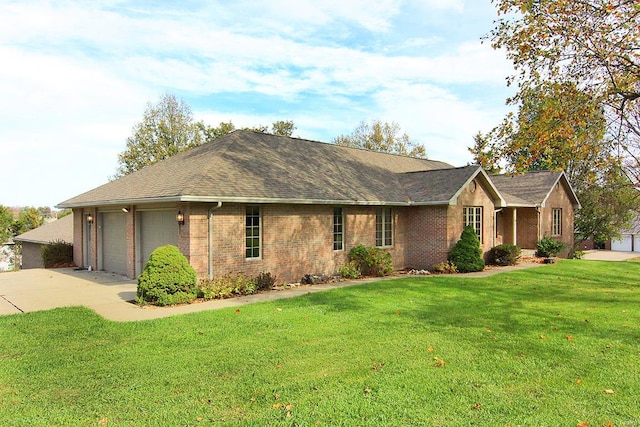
[(636, 243), (155, 228), (113, 233), (624, 244)]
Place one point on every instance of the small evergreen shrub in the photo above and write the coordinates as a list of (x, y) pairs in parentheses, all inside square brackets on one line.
[(445, 268), (371, 261), (505, 254), (548, 247), (265, 281), (227, 286), (349, 271), (578, 254), (57, 253), (467, 254), (167, 279)]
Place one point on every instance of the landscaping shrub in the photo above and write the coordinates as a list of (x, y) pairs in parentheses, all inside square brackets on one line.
[(548, 247), (265, 281), (167, 279), (57, 253), (371, 261), (445, 268), (467, 254), (505, 254), (227, 286), (349, 271)]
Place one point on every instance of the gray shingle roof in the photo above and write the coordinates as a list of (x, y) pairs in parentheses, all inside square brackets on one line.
[(60, 229), (530, 189), (256, 167)]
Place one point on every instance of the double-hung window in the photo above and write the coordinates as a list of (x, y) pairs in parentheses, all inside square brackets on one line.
[(556, 222), (338, 229), (253, 232), (472, 216), (384, 227)]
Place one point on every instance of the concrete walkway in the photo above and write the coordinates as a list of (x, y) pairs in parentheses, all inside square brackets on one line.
[(111, 295)]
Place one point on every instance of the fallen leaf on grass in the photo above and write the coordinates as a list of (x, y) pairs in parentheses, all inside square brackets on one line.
[(398, 312), (277, 405), (367, 390), (103, 421), (608, 391), (579, 381), (570, 337), (430, 348), (477, 406), (609, 424), (543, 337), (237, 311), (439, 362), (584, 424)]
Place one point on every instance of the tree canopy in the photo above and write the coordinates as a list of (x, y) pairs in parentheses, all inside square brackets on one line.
[(384, 137), (167, 128), (577, 73), (6, 221)]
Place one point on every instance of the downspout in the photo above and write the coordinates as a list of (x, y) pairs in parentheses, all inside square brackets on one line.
[(209, 237), (539, 211), (515, 226)]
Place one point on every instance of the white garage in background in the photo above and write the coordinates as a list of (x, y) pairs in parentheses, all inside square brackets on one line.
[(629, 240), (155, 228)]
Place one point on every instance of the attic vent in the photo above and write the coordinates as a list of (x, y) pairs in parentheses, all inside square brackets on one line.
[(472, 186)]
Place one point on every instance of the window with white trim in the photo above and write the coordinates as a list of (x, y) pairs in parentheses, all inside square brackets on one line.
[(472, 216), (556, 222), (338, 229), (384, 227), (253, 232)]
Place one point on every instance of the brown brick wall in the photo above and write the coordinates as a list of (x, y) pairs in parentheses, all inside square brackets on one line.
[(427, 245), (527, 225), (559, 198)]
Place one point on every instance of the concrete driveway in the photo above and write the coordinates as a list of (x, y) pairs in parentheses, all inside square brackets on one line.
[(602, 255)]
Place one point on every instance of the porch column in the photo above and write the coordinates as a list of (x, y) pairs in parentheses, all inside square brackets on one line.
[(515, 226)]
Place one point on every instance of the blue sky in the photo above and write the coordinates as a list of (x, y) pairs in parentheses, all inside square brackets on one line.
[(76, 76)]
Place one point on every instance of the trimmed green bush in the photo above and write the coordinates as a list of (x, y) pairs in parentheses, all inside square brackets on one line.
[(371, 261), (57, 253), (505, 254), (167, 279), (548, 247), (467, 254)]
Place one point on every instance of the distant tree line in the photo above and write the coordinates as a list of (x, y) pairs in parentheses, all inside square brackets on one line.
[(27, 218)]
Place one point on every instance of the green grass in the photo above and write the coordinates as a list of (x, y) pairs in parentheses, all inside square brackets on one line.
[(533, 347)]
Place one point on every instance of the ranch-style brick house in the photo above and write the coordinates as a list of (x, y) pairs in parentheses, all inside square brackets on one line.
[(251, 202)]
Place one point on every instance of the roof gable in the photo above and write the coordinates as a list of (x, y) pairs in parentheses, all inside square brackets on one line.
[(533, 188)]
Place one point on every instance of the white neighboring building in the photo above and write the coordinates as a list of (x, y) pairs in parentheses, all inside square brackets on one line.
[(629, 240)]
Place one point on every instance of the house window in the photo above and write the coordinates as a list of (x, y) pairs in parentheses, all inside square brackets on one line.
[(556, 222), (338, 229), (473, 217), (384, 227), (253, 232)]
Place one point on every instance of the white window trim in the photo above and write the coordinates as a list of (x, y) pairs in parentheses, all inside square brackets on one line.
[(469, 214), (259, 233), (341, 249), (386, 216)]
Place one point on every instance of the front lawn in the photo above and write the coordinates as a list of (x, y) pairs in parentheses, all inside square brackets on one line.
[(556, 345)]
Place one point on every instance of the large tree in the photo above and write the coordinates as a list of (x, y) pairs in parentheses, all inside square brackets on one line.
[(166, 129), (6, 221), (384, 137), (28, 219), (592, 44)]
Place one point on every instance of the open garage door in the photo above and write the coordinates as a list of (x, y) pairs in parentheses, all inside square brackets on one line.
[(155, 228), (113, 234)]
